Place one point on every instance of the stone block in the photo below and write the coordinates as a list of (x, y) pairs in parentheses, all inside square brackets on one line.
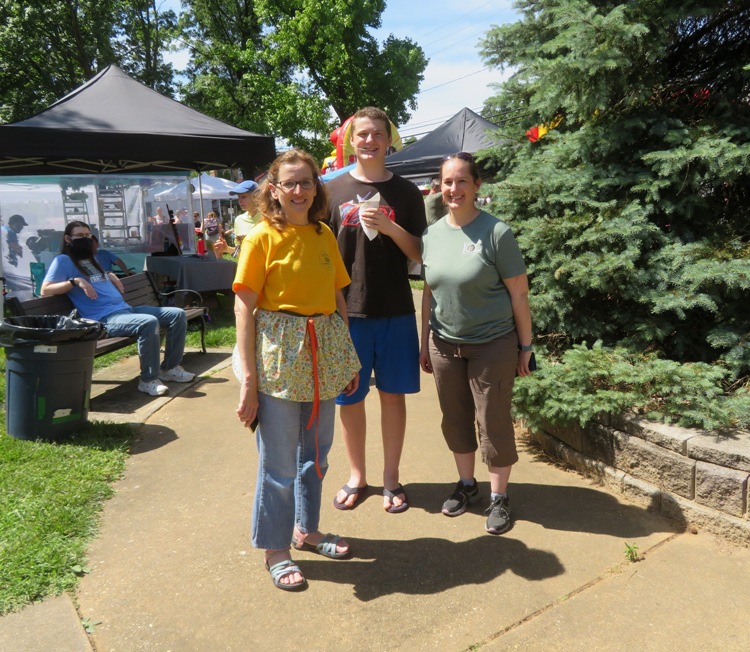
[(641, 492), (676, 509), (569, 433), (667, 436), (658, 466), (731, 528), (603, 443), (721, 488), (606, 419), (548, 443), (731, 450)]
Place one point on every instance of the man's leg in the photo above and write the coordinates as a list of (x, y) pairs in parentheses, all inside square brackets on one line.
[(499, 478), (175, 321), (396, 366), (352, 412), (146, 328), (465, 465), (393, 426), (354, 433)]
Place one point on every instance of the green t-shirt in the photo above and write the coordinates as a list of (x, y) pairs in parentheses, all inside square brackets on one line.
[(464, 267), (434, 207)]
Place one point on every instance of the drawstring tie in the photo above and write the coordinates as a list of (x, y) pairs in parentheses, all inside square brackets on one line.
[(315, 414)]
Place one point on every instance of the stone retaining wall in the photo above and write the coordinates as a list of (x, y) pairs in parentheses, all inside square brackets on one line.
[(696, 478)]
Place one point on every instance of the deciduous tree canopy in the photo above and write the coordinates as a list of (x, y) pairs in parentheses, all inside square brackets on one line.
[(296, 68), (49, 47)]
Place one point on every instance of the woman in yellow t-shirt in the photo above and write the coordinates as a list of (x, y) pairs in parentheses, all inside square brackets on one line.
[(293, 357)]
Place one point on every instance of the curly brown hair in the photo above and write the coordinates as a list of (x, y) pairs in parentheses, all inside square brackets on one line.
[(270, 208)]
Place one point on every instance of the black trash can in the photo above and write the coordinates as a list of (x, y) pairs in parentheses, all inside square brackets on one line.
[(48, 368)]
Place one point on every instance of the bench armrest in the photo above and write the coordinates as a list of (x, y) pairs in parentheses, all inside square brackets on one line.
[(164, 295)]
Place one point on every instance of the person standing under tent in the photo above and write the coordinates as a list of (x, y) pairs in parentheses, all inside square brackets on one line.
[(250, 217)]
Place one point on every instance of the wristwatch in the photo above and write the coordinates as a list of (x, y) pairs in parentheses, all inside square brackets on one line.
[(72, 281), (525, 347)]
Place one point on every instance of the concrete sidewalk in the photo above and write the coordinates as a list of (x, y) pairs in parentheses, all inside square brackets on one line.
[(173, 569)]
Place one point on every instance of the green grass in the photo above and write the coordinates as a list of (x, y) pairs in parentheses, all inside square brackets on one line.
[(221, 330), (51, 494), (50, 499)]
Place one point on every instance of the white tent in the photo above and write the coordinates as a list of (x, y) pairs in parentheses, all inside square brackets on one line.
[(205, 187)]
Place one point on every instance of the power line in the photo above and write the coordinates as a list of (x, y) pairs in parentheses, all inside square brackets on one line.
[(453, 22), (471, 74)]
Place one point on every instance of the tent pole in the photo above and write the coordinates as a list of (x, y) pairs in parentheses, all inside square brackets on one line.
[(2, 271)]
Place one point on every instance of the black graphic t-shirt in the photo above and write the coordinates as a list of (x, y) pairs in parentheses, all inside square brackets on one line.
[(378, 268)]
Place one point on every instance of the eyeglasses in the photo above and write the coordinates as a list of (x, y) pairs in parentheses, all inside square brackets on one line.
[(78, 236), (289, 186)]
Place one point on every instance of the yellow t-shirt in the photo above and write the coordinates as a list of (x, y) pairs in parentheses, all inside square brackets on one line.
[(296, 269)]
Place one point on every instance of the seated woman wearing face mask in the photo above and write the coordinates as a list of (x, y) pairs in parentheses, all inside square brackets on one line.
[(97, 295)]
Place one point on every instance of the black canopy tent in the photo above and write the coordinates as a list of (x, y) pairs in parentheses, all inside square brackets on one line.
[(115, 124), (464, 132)]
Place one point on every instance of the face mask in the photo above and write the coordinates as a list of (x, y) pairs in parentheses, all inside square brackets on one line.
[(81, 246)]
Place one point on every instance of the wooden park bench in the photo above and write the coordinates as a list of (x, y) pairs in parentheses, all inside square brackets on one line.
[(139, 291)]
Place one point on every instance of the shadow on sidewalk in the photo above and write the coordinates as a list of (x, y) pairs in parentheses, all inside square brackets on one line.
[(577, 509), (554, 507), (112, 393), (150, 437), (430, 565)]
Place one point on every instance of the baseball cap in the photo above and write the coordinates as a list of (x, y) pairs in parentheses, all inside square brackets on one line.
[(17, 219), (245, 186)]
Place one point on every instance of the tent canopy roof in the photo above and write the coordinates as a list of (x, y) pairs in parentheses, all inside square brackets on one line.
[(205, 186), (464, 132), (113, 123)]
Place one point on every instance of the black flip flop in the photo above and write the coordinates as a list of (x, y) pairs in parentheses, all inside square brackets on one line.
[(350, 491), (391, 494)]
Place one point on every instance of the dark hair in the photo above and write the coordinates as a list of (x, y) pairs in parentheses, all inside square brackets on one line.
[(270, 208), (467, 158), (373, 113), (68, 251)]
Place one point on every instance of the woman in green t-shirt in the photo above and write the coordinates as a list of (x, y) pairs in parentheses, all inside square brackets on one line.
[(476, 335)]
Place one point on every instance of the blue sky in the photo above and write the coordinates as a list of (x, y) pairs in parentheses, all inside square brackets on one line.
[(449, 32)]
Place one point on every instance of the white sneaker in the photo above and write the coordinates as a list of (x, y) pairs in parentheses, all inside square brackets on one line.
[(152, 387), (176, 374)]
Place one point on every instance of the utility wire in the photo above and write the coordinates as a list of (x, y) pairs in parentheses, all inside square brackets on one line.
[(452, 81), (453, 22)]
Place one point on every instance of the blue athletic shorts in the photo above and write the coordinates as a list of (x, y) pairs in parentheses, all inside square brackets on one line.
[(389, 346)]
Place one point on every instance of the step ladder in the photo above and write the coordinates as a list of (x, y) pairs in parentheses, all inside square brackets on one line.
[(113, 216), (75, 206)]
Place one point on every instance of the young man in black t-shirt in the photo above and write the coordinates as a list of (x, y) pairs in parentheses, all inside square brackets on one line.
[(376, 240)]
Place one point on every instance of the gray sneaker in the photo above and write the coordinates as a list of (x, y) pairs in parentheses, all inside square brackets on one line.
[(498, 519), (459, 500)]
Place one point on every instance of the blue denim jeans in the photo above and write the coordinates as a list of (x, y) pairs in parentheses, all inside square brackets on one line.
[(144, 322), (288, 489)]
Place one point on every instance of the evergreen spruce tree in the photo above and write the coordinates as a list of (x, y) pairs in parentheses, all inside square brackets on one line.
[(633, 210)]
